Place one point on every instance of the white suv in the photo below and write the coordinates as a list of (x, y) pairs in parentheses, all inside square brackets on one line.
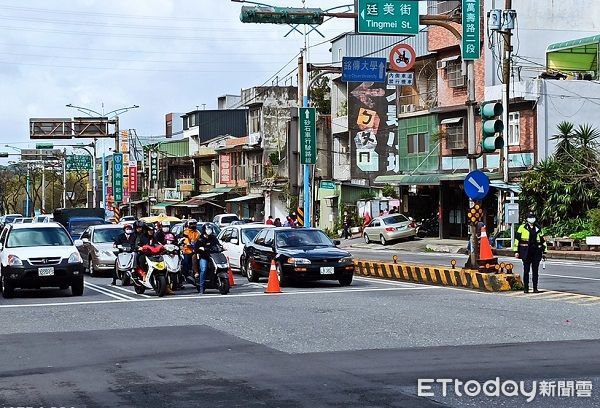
[(34, 256)]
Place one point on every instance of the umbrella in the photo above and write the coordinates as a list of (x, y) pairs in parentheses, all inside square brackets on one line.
[(160, 218)]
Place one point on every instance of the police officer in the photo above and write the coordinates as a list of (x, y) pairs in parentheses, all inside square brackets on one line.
[(530, 247)]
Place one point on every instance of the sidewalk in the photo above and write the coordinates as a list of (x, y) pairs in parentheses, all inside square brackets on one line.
[(455, 246)]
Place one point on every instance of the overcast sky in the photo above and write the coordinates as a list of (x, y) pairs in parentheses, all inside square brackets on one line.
[(163, 55)]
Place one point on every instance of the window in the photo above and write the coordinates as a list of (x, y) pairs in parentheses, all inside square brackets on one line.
[(514, 133), (455, 136), (456, 79), (254, 120), (417, 143)]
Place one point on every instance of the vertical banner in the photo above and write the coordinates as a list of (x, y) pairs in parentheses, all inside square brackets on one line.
[(471, 32), (118, 177), (153, 166), (308, 135), (132, 179)]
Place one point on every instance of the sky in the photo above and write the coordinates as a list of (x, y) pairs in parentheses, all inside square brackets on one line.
[(163, 55)]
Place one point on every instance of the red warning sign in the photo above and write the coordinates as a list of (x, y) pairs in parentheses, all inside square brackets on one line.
[(402, 58)]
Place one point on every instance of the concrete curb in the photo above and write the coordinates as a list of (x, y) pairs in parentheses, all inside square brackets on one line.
[(437, 275)]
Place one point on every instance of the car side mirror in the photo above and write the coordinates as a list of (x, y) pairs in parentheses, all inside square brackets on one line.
[(337, 242), (234, 241), (79, 242)]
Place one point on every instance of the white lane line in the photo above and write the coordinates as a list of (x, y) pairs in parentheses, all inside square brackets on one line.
[(129, 291), (214, 296), (569, 277), (107, 292)]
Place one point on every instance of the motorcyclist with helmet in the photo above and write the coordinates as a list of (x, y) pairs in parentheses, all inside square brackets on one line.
[(190, 236), (206, 241), (126, 238)]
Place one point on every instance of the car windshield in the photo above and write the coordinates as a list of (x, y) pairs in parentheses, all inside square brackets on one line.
[(300, 238), (229, 219), (396, 219), (248, 234), (104, 235), (77, 227), (36, 237)]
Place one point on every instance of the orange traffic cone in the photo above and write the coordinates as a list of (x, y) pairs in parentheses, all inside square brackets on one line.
[(273, 285), (230, 273), (485, 249)]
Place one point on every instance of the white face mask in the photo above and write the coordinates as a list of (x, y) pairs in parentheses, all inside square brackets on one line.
[(531, 220)]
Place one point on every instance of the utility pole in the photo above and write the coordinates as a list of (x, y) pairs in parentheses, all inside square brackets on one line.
[(508, 21)]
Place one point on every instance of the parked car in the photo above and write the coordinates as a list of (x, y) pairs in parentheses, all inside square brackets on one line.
[(389, 228), (235, 237), (96, 248), (43, 218), (299, 254), (223, 220), (34, 256)]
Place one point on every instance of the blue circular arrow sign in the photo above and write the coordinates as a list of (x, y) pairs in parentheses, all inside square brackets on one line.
[(477, 185)]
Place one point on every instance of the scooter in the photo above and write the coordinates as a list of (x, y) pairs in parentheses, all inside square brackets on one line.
[(124, 264), (217, 276), (155, 275)]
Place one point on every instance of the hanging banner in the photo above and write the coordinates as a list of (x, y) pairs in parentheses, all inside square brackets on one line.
[(132, 179), (118, 176)]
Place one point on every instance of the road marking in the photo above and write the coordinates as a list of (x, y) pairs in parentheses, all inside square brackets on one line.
[(130, 291), (107, 291), (214, 296)]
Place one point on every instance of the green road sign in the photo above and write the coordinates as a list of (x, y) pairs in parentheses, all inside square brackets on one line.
[(471, 30), (388, 17), (117, 176), (76, 162), (308, 136)]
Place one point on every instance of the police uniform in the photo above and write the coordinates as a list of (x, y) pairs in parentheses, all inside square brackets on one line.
[(531, 247)]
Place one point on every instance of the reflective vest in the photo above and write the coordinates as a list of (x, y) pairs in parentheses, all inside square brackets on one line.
[(522, 237)]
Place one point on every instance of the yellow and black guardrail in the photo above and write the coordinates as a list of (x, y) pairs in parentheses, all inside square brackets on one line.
[(437, 275)]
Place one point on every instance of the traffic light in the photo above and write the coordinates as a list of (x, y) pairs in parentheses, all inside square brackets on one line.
[(491, 126), (282, 15)]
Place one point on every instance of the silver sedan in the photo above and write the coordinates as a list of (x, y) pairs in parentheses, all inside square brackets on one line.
[(389, 228)]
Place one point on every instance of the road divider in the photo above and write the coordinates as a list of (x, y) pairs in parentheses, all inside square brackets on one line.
[(439, 275)]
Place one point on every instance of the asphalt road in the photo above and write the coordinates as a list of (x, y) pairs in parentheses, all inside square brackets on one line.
[(318, 345), (559, 275)]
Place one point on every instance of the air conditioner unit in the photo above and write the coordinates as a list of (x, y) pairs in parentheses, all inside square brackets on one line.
[(441, 64)]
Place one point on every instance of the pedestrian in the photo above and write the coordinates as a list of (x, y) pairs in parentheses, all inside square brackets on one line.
[(190, 236), (347, 225), (269, 220), (530, 247), (277, 222)]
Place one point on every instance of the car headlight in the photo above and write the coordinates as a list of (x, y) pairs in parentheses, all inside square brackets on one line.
[(75, 258), (299, 261), (14, 260), (347, 259)]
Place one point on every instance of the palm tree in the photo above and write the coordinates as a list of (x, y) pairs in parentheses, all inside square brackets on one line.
[(566, 140)]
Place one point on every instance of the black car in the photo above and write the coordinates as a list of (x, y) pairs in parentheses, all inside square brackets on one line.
[(299, 254)]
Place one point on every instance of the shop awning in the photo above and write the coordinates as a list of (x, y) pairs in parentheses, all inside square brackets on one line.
[(579, 55), (161, 206), (451, 121), (244, 198)]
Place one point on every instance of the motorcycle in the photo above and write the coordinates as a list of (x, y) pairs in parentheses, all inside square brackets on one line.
[(217, 271), (124, 264), (154, 276)]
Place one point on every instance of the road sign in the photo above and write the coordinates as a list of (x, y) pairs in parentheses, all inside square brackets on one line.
[(471, 30), (117, 176), (399, 17), (402, 58), (363, 69), (477, 185), (400, 78), (475, 214), (76, 162), (308, 136)]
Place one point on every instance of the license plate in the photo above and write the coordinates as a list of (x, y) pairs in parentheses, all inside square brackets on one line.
[(327, 270), (46, 271)]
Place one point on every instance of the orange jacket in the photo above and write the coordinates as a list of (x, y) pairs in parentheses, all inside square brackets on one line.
[(190, 237)]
